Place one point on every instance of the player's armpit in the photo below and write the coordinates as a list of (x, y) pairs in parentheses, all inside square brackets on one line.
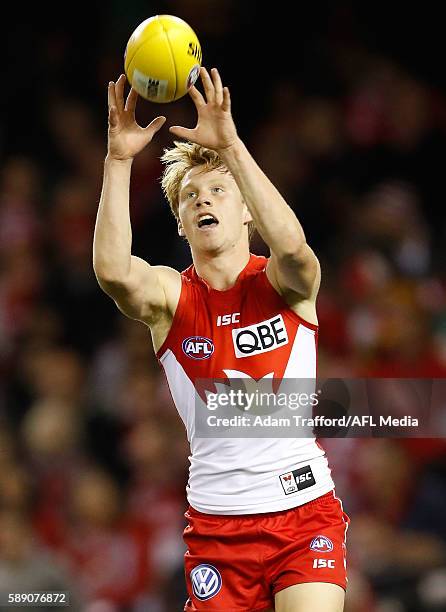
[(300, 273), (147, 292)]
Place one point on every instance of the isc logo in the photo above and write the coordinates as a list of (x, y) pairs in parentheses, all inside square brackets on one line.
[(227, 319), (321, 563), (260, 337), (198, 347), (297, 480)]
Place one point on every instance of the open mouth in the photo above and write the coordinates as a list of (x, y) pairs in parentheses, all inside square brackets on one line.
[(207, 220)]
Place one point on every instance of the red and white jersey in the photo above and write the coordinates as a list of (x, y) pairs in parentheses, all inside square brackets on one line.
[(208, 340)]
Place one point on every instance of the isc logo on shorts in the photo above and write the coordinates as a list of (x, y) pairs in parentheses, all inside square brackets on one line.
[(297, 480), (260, 337), (323, 563)]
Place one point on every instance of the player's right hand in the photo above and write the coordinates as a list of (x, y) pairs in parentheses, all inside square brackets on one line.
[(125, 137)]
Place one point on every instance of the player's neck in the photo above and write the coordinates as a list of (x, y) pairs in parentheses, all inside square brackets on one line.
[(221, 271)]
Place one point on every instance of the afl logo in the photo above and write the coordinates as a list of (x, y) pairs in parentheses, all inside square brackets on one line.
[(192, 76), (198, 347), (321, 544), (206, 581)]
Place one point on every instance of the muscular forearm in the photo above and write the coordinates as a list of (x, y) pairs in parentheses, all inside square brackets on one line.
[(113, 235), (275, 221)]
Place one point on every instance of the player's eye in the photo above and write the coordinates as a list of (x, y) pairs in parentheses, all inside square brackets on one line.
[(190, 194), (217, 189)]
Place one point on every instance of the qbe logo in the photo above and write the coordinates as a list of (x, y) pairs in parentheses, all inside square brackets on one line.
[(206, 581), (198, 347), (260, 337), (321, 544)]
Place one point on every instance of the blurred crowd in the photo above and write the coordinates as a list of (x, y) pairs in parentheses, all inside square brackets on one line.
[(93, 457)]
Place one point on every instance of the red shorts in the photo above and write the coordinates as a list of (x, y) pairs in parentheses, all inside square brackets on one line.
[(238, 563)]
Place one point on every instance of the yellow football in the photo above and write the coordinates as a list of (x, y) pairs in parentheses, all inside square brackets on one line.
[(162, 58)]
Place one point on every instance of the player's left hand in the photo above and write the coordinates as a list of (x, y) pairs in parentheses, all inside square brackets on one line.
[(215, 127)]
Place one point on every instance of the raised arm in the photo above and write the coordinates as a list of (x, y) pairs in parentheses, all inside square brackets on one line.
[(140, 291), (293, 267)]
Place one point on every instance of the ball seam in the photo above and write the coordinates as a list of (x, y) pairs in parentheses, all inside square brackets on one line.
[(173, 61)]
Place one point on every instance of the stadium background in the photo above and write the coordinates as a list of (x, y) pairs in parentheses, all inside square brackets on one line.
[(344, 107)]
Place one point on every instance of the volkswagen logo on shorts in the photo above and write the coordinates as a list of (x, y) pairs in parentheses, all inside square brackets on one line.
[(206, 581), (198, 347), (321, 544)]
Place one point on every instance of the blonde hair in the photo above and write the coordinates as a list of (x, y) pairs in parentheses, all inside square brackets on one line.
[(178, 161)]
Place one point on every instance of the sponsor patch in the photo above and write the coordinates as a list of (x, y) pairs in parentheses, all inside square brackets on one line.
[(297, 480), (206, 581), (323, 563), (260, 337), (228, 319), (198, 347)]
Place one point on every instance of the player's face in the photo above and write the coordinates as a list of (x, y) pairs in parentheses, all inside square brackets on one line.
[(212, 213)]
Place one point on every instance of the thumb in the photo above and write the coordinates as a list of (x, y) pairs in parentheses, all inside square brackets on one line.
[(156, 124), (182, 132)]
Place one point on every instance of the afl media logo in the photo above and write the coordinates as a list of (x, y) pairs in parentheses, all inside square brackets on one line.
[(198, 347), (206, 581)]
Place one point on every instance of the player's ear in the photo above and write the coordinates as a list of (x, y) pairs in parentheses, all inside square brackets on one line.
[(180, 229), (246, 214)]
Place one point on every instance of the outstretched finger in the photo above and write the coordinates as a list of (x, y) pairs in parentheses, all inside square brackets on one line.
[(119, 91), (111, 94), (113, 119), (132, 98), (208, 85), (218, 86), (196, 96), (226, 105)]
